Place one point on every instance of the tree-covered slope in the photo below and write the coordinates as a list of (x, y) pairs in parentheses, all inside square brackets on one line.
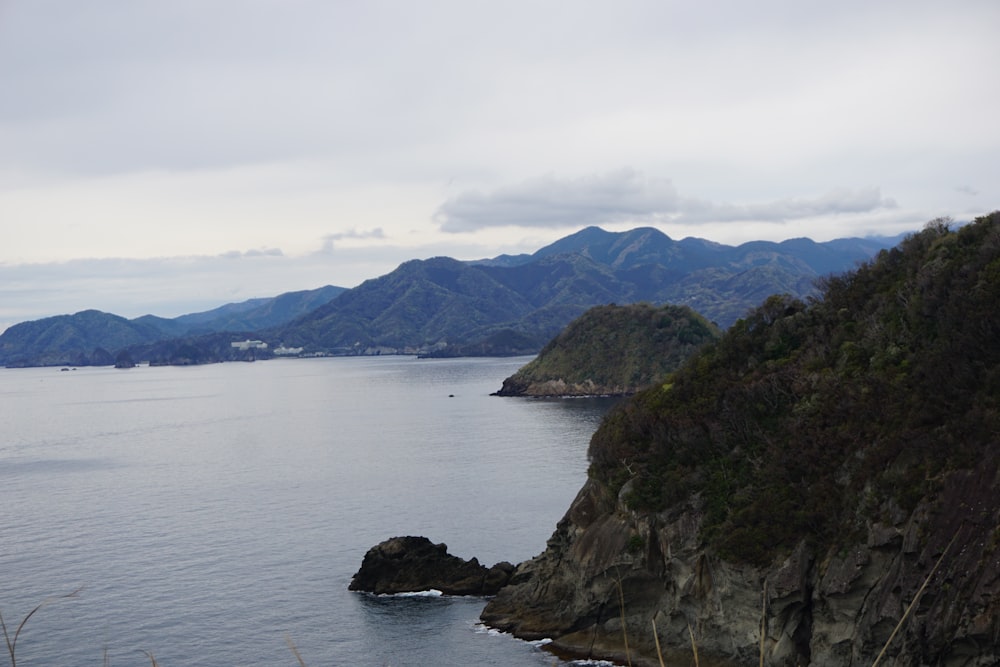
[(72, 339), (871, 391), (422, 303), (455, 307), (259, 313), (613, 350), (794, 487), (509, 305)]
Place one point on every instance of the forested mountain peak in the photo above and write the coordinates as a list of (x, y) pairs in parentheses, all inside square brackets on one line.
[(530, 298)]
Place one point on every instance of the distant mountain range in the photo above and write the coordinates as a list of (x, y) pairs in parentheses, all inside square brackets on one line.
[(515, 304), (89, 337), (511, 304)]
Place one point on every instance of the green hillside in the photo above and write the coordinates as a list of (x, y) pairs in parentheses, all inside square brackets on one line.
[(446, 307), (613, 350), (92, 337), (78, 340)]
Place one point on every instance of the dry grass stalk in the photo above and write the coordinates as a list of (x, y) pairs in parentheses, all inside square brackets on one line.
[(913, 603), (656, 638), (295, 651), (12, 642), (694, 646), (152, 660)]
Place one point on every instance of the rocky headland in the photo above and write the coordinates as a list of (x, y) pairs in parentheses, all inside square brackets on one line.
[(613, 351)]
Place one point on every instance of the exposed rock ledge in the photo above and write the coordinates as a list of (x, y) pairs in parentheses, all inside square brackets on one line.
[(560, 388), (409, 564), (827, 609), (608, 572)]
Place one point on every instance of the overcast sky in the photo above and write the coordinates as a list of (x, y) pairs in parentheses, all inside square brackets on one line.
[(169, 157)]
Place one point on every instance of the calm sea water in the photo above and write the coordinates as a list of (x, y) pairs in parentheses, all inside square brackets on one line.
[(212, 513)]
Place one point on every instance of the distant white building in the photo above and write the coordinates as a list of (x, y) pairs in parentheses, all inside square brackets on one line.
[(281, 350), (249, 345)]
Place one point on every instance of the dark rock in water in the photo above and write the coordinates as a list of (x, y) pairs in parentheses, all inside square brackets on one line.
[(408, 564)]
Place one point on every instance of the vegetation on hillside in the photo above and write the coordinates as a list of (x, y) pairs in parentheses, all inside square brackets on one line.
[(95, 338), (445, 307), (804, 418), (72, 340), (613, 350)]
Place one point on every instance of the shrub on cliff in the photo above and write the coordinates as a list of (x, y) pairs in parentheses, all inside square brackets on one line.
[(805, 416)]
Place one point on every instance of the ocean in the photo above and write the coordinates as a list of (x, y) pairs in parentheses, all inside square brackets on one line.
[(214, 515)]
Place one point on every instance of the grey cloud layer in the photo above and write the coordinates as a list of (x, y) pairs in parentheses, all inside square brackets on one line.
[(836, 202), (372, 132), (550, 202), (627, 196)]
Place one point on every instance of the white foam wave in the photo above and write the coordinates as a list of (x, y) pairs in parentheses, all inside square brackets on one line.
[(430, 593), (487, 630)]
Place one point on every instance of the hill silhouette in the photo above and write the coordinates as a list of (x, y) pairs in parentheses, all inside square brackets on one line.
[(93, 337), (516, 304), (445, 307)]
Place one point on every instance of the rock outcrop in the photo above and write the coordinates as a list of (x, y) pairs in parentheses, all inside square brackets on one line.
[(609, 574), (560, 388), (410, 564)]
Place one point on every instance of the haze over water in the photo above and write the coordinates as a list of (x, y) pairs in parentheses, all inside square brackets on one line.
[(209, 512)]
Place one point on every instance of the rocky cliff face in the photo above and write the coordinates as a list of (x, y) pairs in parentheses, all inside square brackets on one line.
[(561, 388), (606, 566), (819, 483)]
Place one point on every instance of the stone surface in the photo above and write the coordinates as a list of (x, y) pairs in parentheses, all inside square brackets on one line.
[(608, 572), (561, 388), (409, 564)]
